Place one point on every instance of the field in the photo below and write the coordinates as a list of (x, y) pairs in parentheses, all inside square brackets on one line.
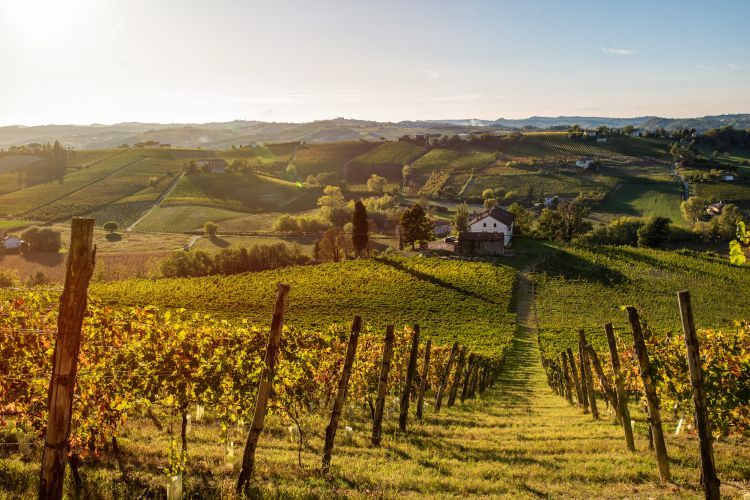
[(459, 160), (548, 144), (737, 192), (270, 158), (181, 218), (543, 182), (643, 200), (584, 288), (381, 291), (313, 159), (389, 154)]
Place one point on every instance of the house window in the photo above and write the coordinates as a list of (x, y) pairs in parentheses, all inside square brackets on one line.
[(494, 224), (484, 224)]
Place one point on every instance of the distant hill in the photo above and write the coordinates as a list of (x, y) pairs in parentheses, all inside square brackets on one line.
[(224, 135)]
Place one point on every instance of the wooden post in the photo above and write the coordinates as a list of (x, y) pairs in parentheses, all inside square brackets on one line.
[(611, 395), (709, 478), (264, 388), (474, 377), (574, 372), (78, 272), (457, 377), (467, 377), (651, 397), (341, 394), (446, 376), (423, 381), (410, 370), (586, 366), (385, 368), (566, 378), (622, 402), (584, 384)]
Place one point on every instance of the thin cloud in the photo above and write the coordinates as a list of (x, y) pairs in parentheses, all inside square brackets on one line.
[(733, 67), (617, 51), (430, 74)]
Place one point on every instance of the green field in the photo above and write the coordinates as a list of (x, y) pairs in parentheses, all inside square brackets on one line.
[(180, 218), (584, 288), (312, 159), (433, 292), (552, 182), (440, 159), (645, 200), (389, 153), (546, 144), (270, 158), (737, 192)]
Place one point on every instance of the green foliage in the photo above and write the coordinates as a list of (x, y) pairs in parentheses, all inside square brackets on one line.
[(210, 228), (523, 217), (693, 208), (111, 226), (8, 278), (654, 232), (461, 218), (299, 224), (359, 227), (415, 225), (376, 184), (42, 239)]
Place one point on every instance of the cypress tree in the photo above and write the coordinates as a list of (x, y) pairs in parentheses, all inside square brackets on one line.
[(360, 227)]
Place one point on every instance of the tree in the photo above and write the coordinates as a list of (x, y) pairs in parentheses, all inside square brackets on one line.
[(210, 228), (490, 203), (728, 221), (461, 219), (523, 217), (333, 206), (406, 174), (359, 227), (549, 225), (572, 215), (291, 171), (334, 246), (487, 194), (8, 278), (43, 239), (693, 208), (415, 225), (654, 232), (111, 226), (61, 159), (376, 184)]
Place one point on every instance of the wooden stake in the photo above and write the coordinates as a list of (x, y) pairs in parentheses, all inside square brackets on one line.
[(651, 397), (79, 269), (584, 383), (467, 377), (264, 388), (622, 402), (574, 372), (457, 377), (423, 381), (603, 380), (410, 370), (566, 378), (709, 478), (338, 403), (446, 376), (385, 368)]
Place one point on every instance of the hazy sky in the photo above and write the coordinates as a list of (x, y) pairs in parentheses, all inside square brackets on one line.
[(107, 61)]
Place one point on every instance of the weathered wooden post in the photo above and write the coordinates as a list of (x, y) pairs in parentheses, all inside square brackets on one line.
[(566, 378), (78, 272), (410, 370), (264, 388), (385, 368), (582, 373), (457, 377), (622, 402), (651, 397), (467, 377), (709, 478), (423, 381), (574, 372), (611, 395), (474, 377), (338, 403), (446, 377)]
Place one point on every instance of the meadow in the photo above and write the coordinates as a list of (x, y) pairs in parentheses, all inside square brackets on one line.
[(737, 192), (388, 154), (645, 199)]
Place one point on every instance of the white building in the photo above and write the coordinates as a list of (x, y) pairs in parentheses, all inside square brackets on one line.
[(729, 178), (12, 243), (495, 220), (584, 163)]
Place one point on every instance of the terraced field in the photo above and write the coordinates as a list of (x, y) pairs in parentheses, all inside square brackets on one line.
[(441, 159)]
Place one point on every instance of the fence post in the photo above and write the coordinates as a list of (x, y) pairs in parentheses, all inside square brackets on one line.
[(78, 272), (385, 367), (475, 376), (574, 372), (582, 373), (651, 398), (622, 402), (467, 377), (457, 377), (423, 381), (410, 369), (446, 376), (341, 394), (566, 378), (709, 478), (610, 393), (264, 388)]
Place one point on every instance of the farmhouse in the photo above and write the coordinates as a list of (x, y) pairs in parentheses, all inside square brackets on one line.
[(729, 178), (495, 220), (481, 244), (584, 163), (212, 165), (441, 227), (12, 243), (434, 139)]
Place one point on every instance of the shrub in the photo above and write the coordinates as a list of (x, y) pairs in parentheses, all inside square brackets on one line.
[(111, 226), (210, 228), (8, 278), (43, 239)]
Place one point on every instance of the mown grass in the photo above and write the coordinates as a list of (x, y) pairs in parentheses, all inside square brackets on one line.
[(180, 218), (451, 299), (645, 200)]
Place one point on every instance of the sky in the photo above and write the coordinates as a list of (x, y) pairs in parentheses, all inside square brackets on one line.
[(195, 61)]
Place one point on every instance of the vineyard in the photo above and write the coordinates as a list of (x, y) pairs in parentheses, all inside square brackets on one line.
[(270, 158), (313, 159), (388, 154), (440, 159)]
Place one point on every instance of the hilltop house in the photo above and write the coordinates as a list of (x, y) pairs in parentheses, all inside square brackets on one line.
[(495, 220), (584, 163), (212, 165)]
